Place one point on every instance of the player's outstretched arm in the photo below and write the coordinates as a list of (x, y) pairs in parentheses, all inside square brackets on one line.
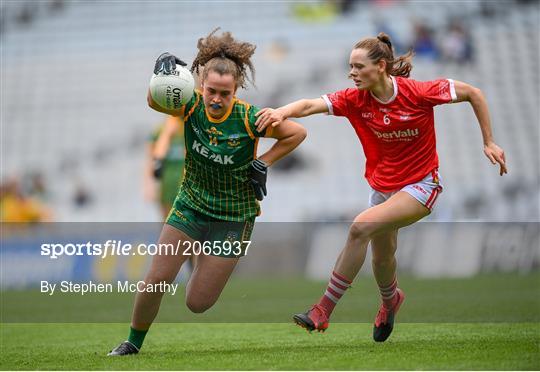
[(475, 97), (298, 109)]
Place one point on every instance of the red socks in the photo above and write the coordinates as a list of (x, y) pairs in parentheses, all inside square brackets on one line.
[(388, 294), (336, 288)]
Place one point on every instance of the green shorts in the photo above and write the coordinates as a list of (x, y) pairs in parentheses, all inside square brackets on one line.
[(213, 237)]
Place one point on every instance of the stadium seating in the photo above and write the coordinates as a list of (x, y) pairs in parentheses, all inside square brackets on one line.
[(74, 87)]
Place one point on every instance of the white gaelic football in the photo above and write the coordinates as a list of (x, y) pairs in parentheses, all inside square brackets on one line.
[(172, 91)]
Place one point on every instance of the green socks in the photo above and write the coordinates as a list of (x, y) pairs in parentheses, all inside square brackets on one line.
[(136, 337)]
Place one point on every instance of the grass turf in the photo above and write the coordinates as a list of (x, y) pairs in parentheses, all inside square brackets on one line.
[(485, 298), (274, 346), (486, 322)]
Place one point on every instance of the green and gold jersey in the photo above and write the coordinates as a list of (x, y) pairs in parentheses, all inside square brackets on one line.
[(218, 159)]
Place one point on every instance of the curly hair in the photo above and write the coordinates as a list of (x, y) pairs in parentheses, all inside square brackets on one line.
[(380, 47), (225, 55)]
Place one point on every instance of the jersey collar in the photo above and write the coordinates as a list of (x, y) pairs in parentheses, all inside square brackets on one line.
[(224, 117), (394, 83)]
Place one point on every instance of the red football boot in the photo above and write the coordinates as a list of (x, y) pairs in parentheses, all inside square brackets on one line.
[(313, 319), (384, 321)]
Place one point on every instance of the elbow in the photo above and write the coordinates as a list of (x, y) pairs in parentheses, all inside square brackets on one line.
[(299, 136), (302, 134), (475, 94)]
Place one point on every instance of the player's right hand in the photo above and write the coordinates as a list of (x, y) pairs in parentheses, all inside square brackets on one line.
[(268, 116), (166, 63)]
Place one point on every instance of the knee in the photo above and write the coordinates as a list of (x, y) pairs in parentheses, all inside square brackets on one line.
[(360, 230), (198, 306)]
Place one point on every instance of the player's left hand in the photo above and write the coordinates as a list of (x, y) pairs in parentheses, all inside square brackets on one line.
[(496, 155), (166, 63), (259, 169), (157, 168), (268, 116)]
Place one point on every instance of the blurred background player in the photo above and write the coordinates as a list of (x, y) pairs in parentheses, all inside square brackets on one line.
[(165, 167), (224, 178), (165, 163), (23, 206), (393, 118)]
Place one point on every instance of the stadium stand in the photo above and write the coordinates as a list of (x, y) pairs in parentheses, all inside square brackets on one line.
[(74, 103)]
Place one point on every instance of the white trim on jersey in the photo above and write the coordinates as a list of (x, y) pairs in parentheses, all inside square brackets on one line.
[(328, 103), (394, 83), (452, 90)]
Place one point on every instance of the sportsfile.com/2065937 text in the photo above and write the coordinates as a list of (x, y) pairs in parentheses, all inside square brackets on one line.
[(117, 248)]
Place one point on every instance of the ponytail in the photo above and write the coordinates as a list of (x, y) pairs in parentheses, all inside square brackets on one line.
[(381, 48)]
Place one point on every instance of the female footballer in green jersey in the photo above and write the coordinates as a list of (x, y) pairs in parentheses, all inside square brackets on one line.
[(224, 179)]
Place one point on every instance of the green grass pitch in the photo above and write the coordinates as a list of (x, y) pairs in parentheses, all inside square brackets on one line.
[(487, 322)]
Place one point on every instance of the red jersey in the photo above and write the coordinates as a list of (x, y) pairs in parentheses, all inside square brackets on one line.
[(398, 136)]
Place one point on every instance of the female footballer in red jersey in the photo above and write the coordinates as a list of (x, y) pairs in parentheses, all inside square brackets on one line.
[(393, 118)]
